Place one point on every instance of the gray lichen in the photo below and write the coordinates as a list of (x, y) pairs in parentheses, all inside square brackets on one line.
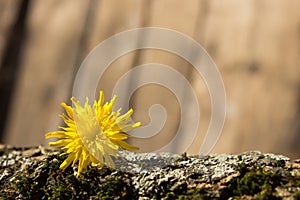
[(33, 173)]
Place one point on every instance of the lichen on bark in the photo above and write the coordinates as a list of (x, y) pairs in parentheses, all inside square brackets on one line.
[(33, 173)]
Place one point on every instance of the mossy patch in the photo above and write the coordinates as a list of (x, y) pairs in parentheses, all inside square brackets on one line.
[(260, 183), (115, 187), (251, 175), (49, 182)]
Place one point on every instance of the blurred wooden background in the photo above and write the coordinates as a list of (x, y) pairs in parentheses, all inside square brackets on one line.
[(255, 44)]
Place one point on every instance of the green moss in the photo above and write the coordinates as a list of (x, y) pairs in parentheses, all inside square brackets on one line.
[(190, 194), (187, 194), (115, 187), (169, 196), (183, 157), (198, 193), (49, 182), (280, 163), (256, 181), (296, 195), (26, 188), (44, 180)]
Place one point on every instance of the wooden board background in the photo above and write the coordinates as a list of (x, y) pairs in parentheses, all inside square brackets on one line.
[(255, 44)]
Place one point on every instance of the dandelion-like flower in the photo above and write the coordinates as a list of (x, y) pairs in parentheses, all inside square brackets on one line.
[(93, 134)]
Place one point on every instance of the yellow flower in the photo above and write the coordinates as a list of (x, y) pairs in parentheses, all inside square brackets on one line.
[(93, 134)]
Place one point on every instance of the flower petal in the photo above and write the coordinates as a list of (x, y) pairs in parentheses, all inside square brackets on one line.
[(57, 134), (68, 109), (68, 161), (125, 145), (60, 143)]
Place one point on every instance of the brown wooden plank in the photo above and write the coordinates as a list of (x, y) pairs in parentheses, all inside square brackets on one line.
[(47, 69), (255, 44)]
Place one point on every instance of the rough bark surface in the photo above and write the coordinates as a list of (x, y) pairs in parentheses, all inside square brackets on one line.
[(33, 173)]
